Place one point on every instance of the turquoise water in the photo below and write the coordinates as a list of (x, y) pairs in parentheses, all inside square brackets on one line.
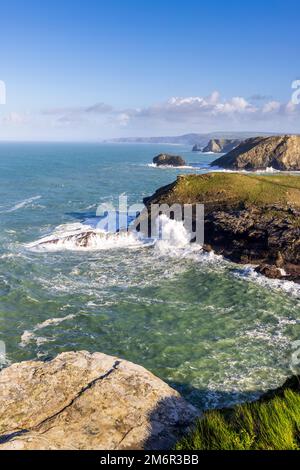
[(214, 330)]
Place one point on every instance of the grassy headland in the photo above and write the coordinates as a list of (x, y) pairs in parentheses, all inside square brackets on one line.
[(283, 190)]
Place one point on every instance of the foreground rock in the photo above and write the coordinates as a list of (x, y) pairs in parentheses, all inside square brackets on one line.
[(248, 219), (168, 160), (88, 401), (259, 153), (221, 145)]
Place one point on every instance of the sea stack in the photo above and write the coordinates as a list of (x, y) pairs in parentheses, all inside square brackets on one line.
[(165, 159)]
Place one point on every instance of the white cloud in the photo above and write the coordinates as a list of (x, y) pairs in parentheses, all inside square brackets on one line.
[(271, 107), (123, 119), (14, 118)]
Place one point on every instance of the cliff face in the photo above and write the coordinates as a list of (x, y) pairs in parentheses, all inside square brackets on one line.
[(280, 153), (248, 219), (83, 401), (221, 145)]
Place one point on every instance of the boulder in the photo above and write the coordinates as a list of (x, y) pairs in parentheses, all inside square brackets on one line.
[(89, 401), (168, 160), (259, 153)]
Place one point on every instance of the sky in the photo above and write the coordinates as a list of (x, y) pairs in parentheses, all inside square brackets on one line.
[(93, 69)]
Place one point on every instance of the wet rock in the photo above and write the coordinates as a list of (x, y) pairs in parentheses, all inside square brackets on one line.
[(269, 271)]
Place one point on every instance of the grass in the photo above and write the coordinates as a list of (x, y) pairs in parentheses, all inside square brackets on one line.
[(283, 190), (268, 424)]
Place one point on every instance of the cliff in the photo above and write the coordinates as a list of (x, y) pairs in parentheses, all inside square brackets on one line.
[(248, 219), (221, 145), (280, 153)]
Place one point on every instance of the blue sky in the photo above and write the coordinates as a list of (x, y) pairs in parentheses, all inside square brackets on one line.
[(95, 69)]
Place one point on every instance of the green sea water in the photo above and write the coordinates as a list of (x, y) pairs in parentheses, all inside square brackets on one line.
[(216, 331)]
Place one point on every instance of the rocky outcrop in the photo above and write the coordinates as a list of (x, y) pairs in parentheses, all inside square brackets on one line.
[(197, 148), (280, 153), (168, 160), (88, 401), (269, 271), (221, 145), (248, 219)]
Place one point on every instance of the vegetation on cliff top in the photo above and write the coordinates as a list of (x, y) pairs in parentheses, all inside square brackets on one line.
[(282, 190), (272, 423)]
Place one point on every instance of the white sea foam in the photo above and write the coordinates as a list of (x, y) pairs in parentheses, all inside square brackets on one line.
[(30, 335), (22, 204), (266, 170), (172, 167), (249, 273), (53, 321), (174, 241), (83, 237)]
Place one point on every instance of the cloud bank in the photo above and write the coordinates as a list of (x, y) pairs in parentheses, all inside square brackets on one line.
[(177, 114)]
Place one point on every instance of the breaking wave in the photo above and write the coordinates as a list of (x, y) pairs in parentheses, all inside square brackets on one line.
[(172, 238), (82, 237), (22, 204), (172, 241)]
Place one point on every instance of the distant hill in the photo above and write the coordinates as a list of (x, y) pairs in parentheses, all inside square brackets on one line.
[(189, 139)]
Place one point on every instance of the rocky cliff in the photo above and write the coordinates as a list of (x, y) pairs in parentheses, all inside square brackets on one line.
[(221, 145), (280, 153), (88, 402), (248, 219)]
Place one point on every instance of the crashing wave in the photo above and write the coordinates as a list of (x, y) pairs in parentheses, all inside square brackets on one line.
[(22, 204), (81, 237)]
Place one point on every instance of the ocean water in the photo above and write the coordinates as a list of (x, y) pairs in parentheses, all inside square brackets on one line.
[(217, 332)]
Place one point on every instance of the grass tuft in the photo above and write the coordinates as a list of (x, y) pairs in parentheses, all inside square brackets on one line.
[(272, 424)]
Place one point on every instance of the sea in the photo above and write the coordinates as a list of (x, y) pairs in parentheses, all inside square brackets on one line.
[(217, 332)]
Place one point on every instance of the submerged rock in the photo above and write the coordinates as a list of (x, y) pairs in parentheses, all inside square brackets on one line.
[(168, 160), (89, 401), (258, 153), (221, 145)]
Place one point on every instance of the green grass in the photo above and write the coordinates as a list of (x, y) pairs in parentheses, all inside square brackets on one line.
[(283, 190), (268, 424)]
